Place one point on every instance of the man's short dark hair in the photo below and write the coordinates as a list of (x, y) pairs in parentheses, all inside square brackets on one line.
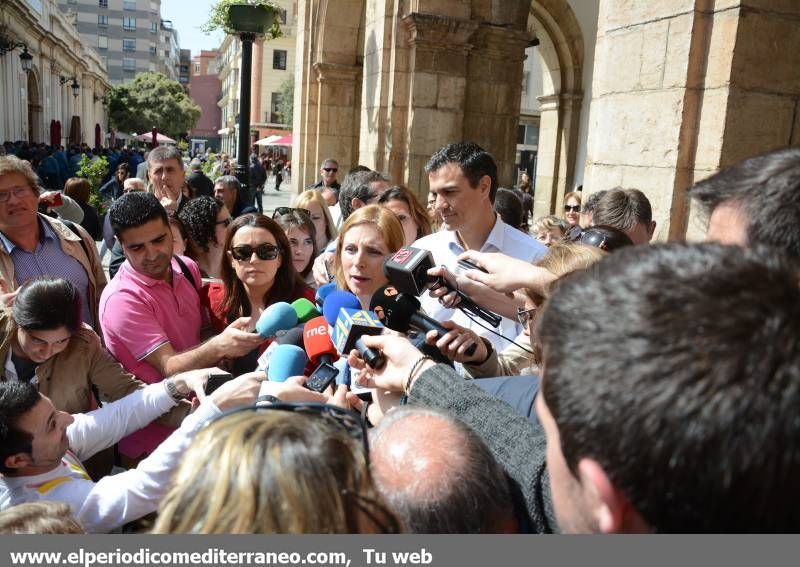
[(164, 153), (135, 209), (470, 495), (509, 206), (473, 160), (767, 189), (357, 185), (623, 208), (686, 392), (16, 399)]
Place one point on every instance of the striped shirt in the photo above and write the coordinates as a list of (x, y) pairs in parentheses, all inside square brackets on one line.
[(49, 259)]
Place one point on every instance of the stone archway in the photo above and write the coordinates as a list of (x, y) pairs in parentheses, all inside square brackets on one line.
[(561, 51), (34, 109), (328, 92)]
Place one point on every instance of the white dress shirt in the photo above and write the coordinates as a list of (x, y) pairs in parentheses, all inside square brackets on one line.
[(446, 247)]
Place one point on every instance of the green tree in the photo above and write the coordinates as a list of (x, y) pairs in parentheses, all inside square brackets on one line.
[(94, 172), (152, 99), (218, 17), (286, 104)]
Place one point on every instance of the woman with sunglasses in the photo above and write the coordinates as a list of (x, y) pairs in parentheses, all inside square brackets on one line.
[(298, 468), (412, 215), (205, 220), (313, 201), (257, 271), (302, 240), (572, 212)]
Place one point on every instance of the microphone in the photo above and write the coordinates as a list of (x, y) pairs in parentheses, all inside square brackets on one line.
[(335, 301), (293, 336), (304, 309), (323, 292), (277, 317), (407, 270), (317, 342), (351, 325), (286, 361), (400, 312), (321, 352)]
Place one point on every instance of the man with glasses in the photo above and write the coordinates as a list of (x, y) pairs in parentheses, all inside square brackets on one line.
[(328, 185), (151, 313), (228, 189), (32, 244)]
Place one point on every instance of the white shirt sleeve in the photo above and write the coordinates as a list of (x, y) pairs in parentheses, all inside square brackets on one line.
[(94, 431), (121, 498)]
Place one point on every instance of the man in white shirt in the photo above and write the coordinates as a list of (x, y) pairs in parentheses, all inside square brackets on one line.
[(41, 448), (463, 179)]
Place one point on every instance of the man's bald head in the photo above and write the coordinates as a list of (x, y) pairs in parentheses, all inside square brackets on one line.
[(438, 475)]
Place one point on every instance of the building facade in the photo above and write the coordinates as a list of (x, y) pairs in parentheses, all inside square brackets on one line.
[(129, 35), (34, 102), (640, 94), (273, 65), (205, 88)]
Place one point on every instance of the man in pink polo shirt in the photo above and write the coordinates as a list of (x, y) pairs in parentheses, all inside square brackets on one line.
[(151, 313)]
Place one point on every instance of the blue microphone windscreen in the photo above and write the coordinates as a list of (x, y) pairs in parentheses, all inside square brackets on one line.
[(277, 317), (323, 292), (335, 301), (286, 361)]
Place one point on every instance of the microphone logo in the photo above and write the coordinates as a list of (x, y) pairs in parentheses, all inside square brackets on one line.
[(402, 255), (319, 331), (379, 312), (390, 291)]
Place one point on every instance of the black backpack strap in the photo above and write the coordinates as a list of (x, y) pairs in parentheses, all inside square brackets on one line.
[(71, 225), (186, 271)]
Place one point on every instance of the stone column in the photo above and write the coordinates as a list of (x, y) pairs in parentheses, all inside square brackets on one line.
[(437, 89), (494, 91), (337, 103)]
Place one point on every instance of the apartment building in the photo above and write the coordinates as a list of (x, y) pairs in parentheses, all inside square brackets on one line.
[(129, 35)]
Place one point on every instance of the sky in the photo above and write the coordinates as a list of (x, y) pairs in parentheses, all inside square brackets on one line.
[(187, 16)]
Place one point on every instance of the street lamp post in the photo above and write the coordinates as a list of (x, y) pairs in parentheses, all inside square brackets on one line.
[(243, 153)]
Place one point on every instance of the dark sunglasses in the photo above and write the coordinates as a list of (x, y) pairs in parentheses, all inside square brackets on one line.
[(264, 251), (279, 211), (573, 209), (329, 169), (226, 223)]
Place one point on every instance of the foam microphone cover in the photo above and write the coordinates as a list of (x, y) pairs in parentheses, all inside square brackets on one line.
[(304, 309), (394, 314), (323, 292), (286, 361), (293, 336), (317, 341), (334, 303), (277, 317)]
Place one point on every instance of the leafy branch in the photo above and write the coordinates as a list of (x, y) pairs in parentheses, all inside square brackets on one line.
[(219, 18)]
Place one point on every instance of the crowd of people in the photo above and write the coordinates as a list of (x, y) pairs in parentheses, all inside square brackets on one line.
[(534, 375)]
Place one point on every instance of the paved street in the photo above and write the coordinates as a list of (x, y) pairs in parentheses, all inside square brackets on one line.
[(282, 198)]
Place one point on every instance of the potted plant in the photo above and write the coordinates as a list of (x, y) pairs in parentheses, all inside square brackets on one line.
[(251, 16)]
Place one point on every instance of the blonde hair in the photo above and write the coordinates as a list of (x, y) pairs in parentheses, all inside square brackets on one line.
[(546, 224), (273, 471), (12, 164), (572, 195), (42, 517), (563, 258), (383, 219), (313, 196)]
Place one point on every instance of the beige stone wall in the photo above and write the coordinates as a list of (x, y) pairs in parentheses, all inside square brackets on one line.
[(682, 88)]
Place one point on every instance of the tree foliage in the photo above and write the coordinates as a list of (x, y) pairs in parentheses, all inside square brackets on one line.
[(94, 172), (286, 105), (152, 99)]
